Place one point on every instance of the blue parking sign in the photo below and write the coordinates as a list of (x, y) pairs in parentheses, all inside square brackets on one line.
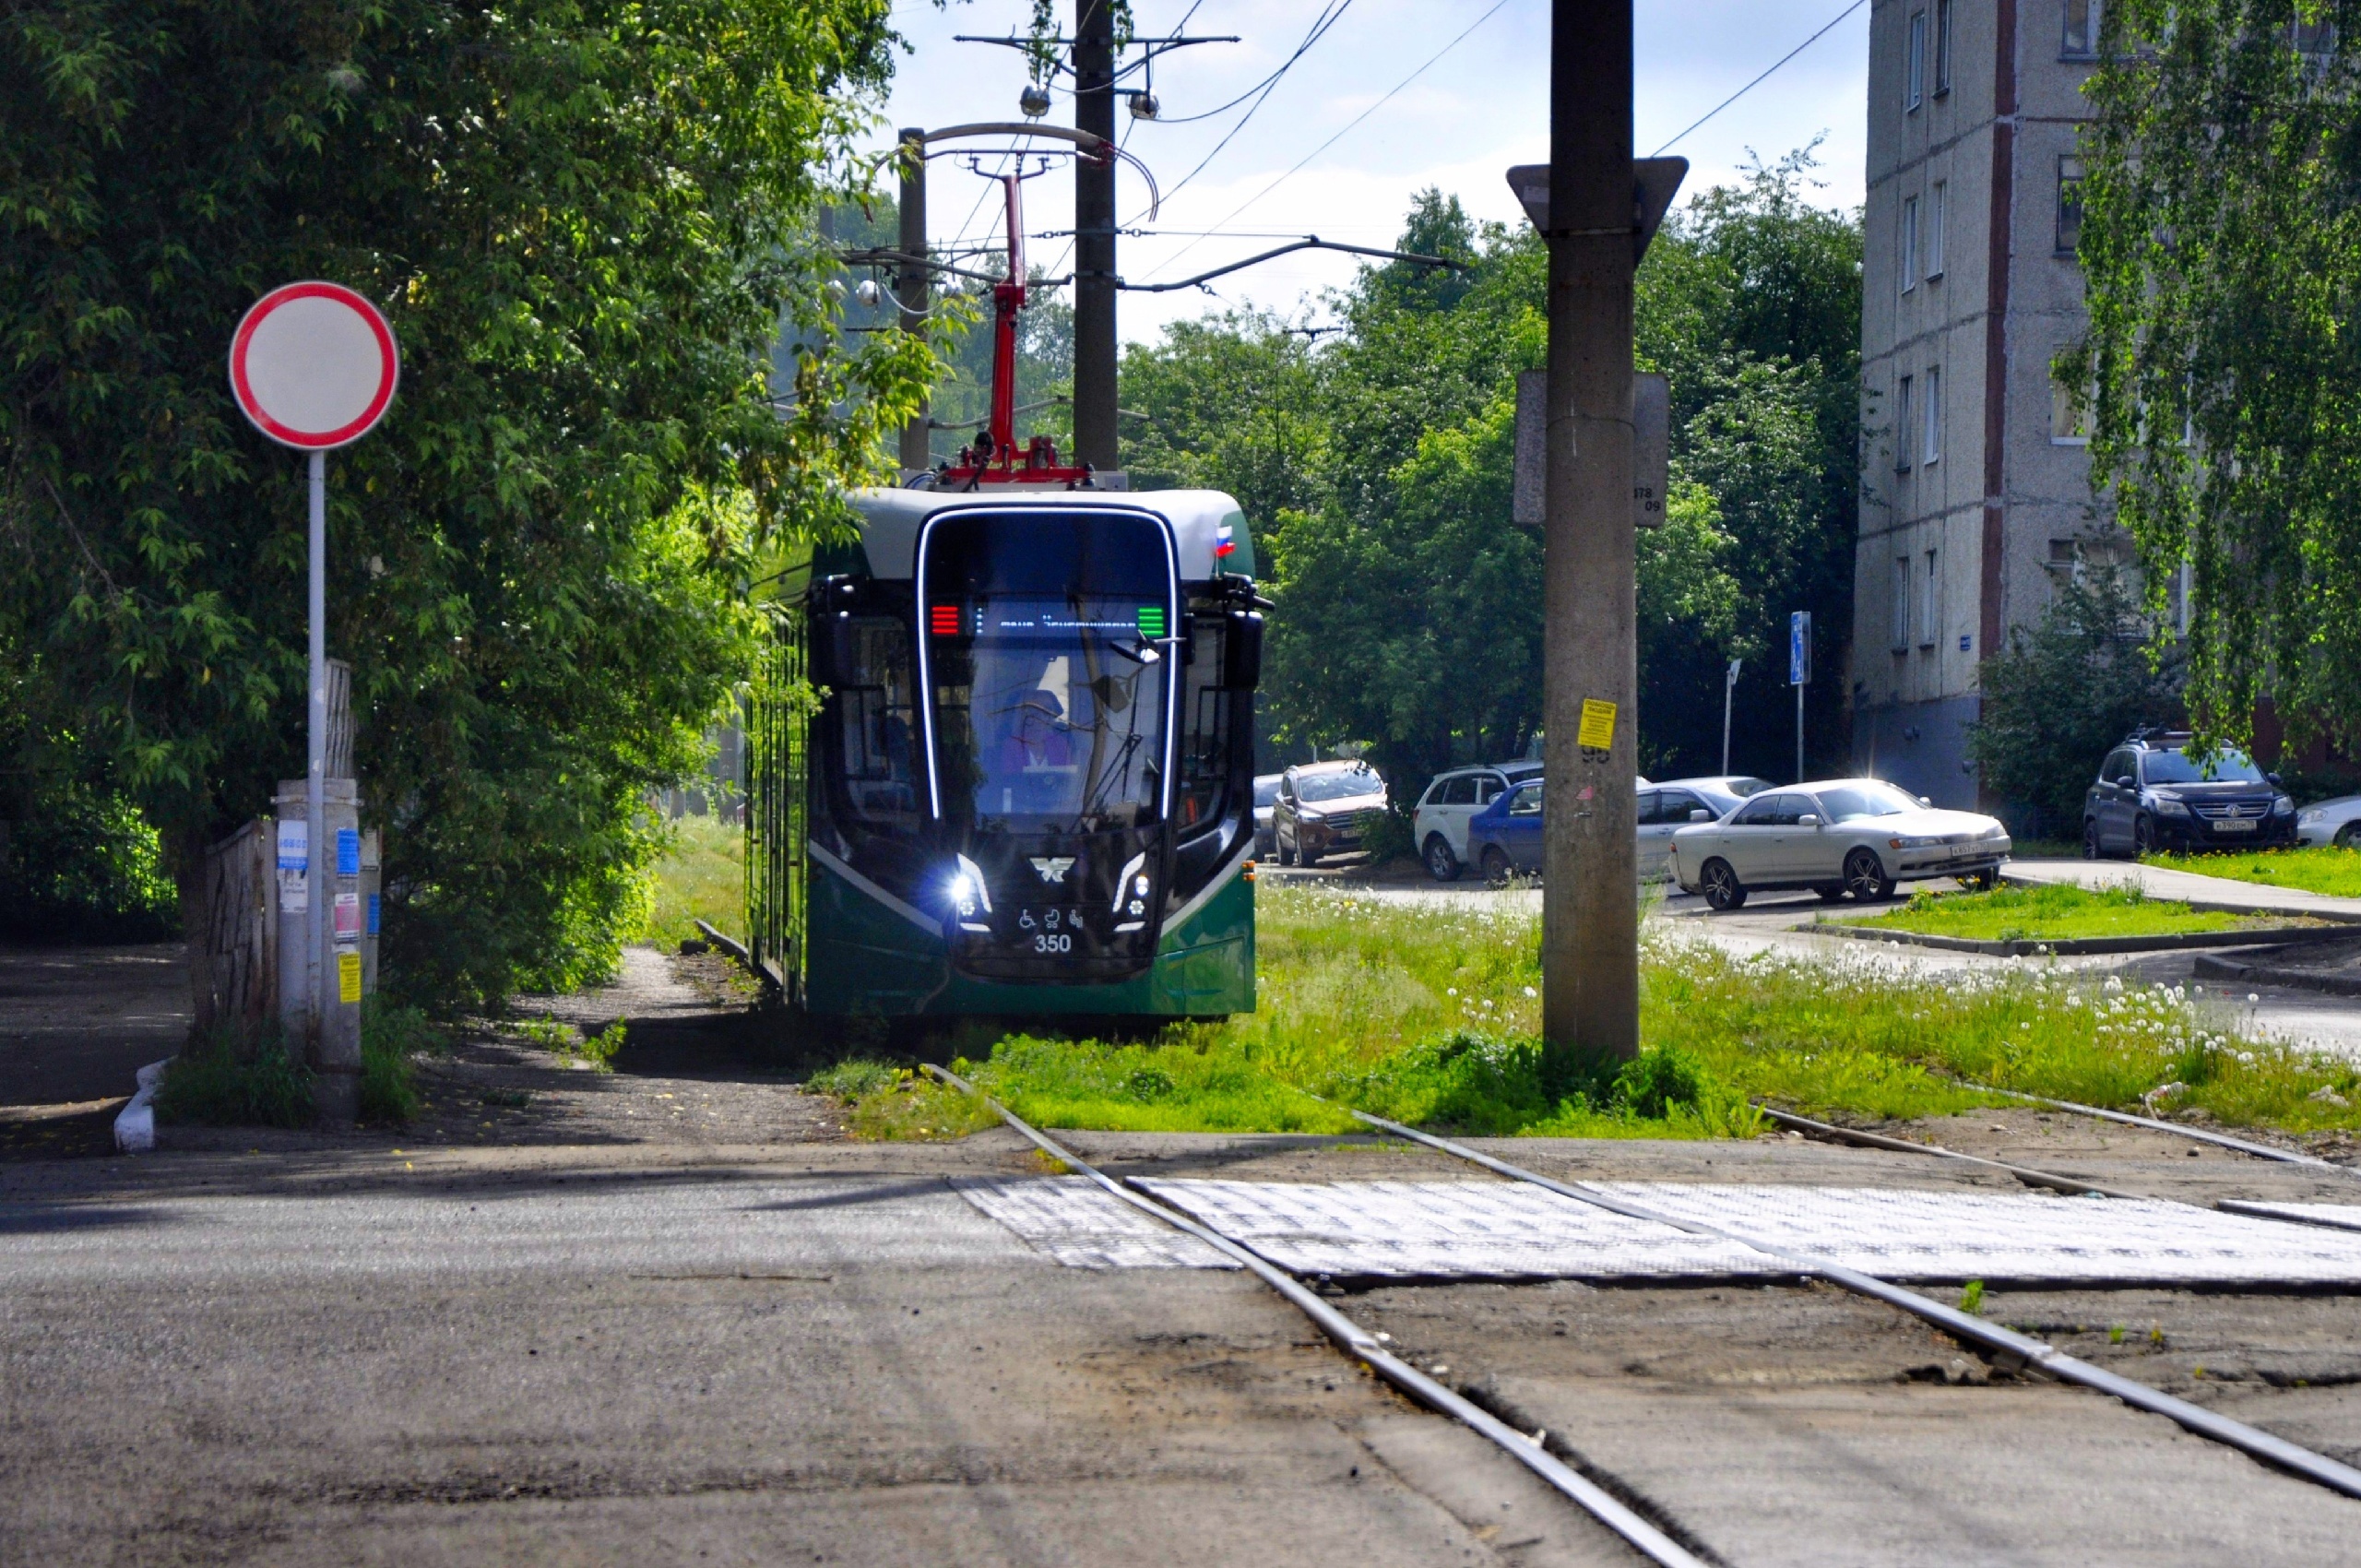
[(1799, 648)]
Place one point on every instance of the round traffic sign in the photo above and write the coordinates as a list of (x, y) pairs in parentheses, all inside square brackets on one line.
[(313, 365)]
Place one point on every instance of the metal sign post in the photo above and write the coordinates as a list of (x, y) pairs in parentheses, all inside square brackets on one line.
[(313, 365), (1800, 675), (1729, 691)]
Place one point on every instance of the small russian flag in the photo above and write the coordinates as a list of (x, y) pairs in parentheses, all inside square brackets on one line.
[(1223, 541)]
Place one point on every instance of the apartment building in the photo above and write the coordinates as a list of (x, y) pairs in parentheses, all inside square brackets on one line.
[(1974, 478)]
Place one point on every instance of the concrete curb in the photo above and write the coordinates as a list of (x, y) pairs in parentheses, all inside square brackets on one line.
[(134, 1125), (732, 947), (2272, 974), (2071, 946)]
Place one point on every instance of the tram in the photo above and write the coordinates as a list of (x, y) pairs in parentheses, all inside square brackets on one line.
[(1026, 787)]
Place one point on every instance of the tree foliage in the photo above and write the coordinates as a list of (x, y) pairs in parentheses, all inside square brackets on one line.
[(1376, 469), (585, 219), (2221, 242)]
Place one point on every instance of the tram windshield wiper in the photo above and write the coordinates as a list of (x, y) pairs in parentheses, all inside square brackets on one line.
[(1144, 654)]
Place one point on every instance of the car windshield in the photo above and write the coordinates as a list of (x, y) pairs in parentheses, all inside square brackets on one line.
[(1850, 802), (1049, 685), (1342, 786), (1742, 788), (2226, 766), (1266, 791)]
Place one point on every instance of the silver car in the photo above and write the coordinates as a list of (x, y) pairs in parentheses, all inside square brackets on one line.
[(1856, 836), (1664, 809), (2336, 822)]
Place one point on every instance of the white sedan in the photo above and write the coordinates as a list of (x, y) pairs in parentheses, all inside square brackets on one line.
[(1856, 836), (2336, 822)]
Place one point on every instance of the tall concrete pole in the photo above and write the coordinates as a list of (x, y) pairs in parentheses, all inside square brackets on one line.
[(916, 288), (1093, 245), (1590, 1002)]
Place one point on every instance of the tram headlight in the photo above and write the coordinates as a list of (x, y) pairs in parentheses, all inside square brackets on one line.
[(1133, 878), (968, 890)]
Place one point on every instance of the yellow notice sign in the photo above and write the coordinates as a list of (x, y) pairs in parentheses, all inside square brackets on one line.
[(348, 976), (1598, 731)]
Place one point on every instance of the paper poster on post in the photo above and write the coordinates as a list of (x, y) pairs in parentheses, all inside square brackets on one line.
[(1597, 730), (348, 976), (294, 836), (294, 893), (348, 919), (348, 851)]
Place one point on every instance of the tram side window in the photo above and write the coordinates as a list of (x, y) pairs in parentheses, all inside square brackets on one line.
[(879, 724), (1205, 734)]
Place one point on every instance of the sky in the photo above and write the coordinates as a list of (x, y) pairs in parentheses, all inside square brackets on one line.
[(1478, 108)]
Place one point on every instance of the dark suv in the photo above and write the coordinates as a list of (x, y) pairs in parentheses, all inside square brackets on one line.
[(2151, 794)]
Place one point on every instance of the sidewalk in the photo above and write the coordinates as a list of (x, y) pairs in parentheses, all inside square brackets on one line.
[(2216, 892)]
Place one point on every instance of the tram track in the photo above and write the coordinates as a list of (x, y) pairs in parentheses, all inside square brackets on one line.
[(2018, 1360)]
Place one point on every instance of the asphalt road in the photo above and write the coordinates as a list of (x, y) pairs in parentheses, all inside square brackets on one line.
[(482, 1356)]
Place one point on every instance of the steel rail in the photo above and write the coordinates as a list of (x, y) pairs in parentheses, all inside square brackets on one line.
[(2073, 1186), (1359, 1343), (2223, 1140), (2023, 1347)]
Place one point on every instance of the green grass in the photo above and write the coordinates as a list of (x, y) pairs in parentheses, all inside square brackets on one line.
[(1428, 1015), (2336, 872), (2049, 914), (702, 877), (390, 1037)]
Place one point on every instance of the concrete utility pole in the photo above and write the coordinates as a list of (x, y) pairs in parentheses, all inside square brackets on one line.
[(916, 287), (1093, 245), (1590, 1002)]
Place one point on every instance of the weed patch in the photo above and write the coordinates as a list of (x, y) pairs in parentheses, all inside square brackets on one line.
[(700, 876), (391, 1035), (596, 1053), (229, 1080), (884, 1102)]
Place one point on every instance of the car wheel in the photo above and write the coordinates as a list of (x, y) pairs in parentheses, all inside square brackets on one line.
[(1980, 881), (1304, 857), (1829, 892), (2143, 835), (2092, 849), (1722, 890), (1865, 876), (1286, 852), (2344, 835), (1494, 863), (1442, 864)]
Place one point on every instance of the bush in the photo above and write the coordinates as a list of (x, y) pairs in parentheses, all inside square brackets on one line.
[(229, 1080), (2061, 694), (390, 1036), (1387, 835)]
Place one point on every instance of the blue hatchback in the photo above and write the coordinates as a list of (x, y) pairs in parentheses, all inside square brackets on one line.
[(1504, 838)]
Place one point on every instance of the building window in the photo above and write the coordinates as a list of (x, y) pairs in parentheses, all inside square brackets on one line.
[(1909, 243), (1902, 604), (1913, 83), (1935, 201), (1901, 426), (2082, 39), (1930, 448), (2070, 204), (1930, 600), (2068, 415), (2316, 38), (1943, 47)]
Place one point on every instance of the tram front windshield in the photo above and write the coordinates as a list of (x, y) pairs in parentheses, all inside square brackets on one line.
[(1048, 642)]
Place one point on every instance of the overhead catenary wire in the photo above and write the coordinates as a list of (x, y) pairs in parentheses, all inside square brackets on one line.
[(1364, 1345), (2023, 1348), (1758, 81), (1333, 141)]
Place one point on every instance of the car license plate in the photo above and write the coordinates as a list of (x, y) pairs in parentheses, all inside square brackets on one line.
[(2241, 824)]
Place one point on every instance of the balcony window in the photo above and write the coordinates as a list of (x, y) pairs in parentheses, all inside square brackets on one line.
[(1943, 47), (1930, 448), (2082, 39), (1909, 243), (2070, 204), (1901, 426), (1936, 202), (1913, 78)]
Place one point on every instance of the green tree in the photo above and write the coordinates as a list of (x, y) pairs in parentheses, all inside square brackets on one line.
[(2061, 693), (586, 220), (2221, 245)]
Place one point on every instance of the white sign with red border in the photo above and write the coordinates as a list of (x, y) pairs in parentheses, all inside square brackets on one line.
[(313, 365)]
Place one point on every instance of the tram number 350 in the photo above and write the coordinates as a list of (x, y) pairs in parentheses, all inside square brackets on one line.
[(1052, 941)]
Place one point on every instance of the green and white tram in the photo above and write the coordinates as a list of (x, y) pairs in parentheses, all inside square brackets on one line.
[(1026, 787)]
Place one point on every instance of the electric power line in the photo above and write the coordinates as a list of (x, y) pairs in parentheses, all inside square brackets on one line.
[(1758, 81), (1331, 141), (1320, 24), (1270, 85)]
